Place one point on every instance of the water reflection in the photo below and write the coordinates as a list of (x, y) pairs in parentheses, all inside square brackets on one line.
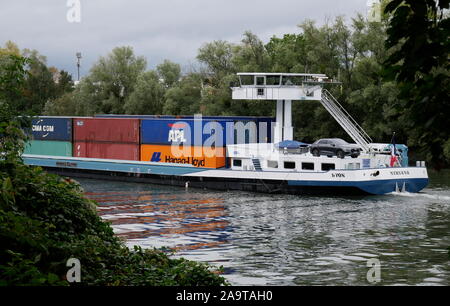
[(145, 217), (288, 240)]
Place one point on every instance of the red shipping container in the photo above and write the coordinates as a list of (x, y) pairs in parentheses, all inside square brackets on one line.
[(124, 151), (106, 130)]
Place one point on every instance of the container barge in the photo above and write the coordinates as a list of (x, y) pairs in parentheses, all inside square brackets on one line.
[(255, 154)]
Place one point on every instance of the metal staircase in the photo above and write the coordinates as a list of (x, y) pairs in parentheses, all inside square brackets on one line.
[(257, 164), (354, 130)]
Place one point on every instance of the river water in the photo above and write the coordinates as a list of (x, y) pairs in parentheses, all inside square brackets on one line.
[(263, 239)]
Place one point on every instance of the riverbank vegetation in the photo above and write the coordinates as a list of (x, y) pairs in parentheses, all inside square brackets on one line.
[(394, 74), (45, 220)]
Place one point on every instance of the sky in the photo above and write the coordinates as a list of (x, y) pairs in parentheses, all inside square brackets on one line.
[(158, 30)]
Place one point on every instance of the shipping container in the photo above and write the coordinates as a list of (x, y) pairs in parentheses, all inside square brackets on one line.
[(118, 130), (123, 151), (263, 126), (186, 155), (46, 147), (203, 132), (51, 128), (183, 131)]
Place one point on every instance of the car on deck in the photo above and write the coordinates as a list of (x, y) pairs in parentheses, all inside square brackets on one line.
[(334, 147)]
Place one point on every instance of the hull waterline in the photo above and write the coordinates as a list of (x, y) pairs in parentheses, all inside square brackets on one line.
[(335, 182)]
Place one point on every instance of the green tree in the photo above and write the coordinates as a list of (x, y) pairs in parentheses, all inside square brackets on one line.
[(217, 57), (64, 84), (222, 60), (251, 55), (111, 81), (64, 105), (418, 41), (12, 78), (169, 72), (148, 95), (288, 54), (321, 49), (184, 98), (10, 49), (39, 86)]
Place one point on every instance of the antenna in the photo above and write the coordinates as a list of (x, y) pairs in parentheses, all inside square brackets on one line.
[(78, 54)]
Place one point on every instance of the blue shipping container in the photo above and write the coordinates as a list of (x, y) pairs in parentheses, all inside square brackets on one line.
[(203, 132), (184, 131), (47, 128)]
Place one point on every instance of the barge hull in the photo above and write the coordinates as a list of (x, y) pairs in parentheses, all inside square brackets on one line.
[(337, 182), (226, 184)]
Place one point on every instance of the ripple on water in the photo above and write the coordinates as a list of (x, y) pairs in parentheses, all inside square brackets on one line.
[(287, 240)]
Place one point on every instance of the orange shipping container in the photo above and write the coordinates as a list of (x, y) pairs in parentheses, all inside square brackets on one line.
[(195, 155)]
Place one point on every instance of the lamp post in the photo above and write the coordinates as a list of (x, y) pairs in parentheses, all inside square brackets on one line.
[(78, 63)]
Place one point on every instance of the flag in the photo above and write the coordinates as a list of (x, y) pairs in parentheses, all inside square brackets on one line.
[(394, 158)]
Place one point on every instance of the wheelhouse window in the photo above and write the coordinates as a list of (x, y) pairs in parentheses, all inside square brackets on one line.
[(289, 165), (327, 167), (247, 80), (307, 166), (237, 163), (260, 80), (273, 80), (292, 80)]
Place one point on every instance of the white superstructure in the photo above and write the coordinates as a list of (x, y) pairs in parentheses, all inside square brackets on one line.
[(284, 88)]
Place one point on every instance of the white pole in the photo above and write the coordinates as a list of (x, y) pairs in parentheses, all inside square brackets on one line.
[(278, 135), (288, 131)]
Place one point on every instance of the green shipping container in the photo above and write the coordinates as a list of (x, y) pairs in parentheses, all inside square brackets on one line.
[(47, 147)]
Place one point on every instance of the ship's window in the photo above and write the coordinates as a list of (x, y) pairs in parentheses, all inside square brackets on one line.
[(247, 80), (273, 80), (289, 165), (354, 166), (272, 164), (237, 163), (292, 80), (260, 80), (326, 167), (308, 166)]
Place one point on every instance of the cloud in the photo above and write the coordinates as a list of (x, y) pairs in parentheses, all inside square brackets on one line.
[(172, 29)]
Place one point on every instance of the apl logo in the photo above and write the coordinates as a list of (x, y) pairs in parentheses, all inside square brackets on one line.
[(176, 134), (156, 157)]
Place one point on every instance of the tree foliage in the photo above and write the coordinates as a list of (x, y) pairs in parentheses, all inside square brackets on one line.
[(148, 95), (41, 84), (113, 78), (169, 72), (184, 98), (418, 38)]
